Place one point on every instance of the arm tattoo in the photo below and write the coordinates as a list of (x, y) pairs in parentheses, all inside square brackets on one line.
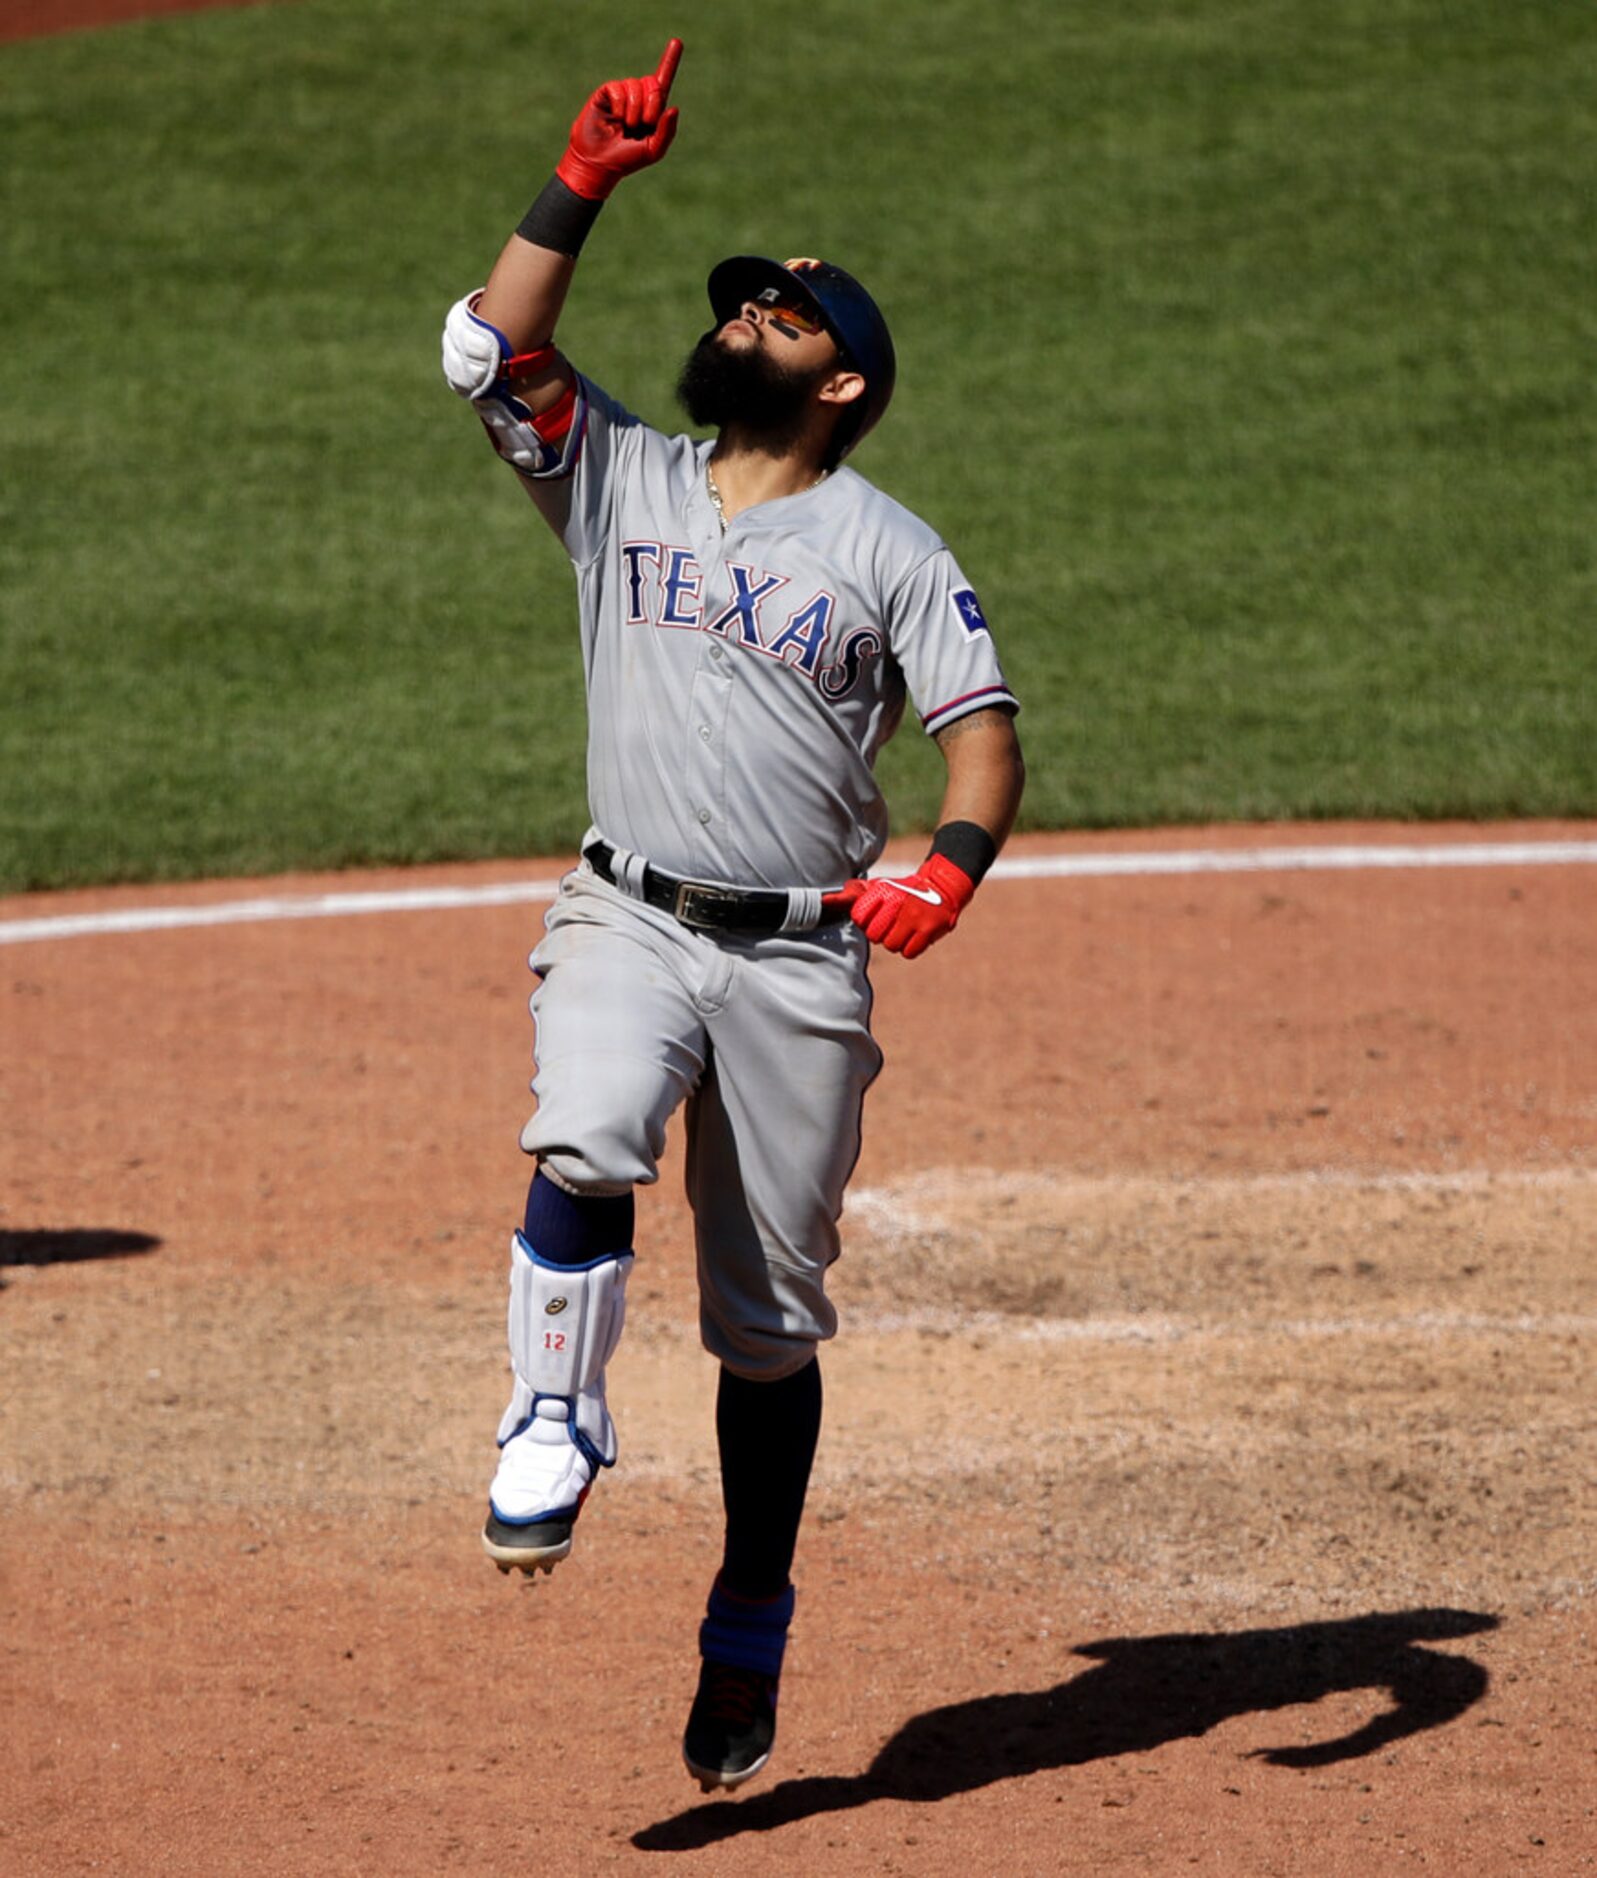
[(989, 719)]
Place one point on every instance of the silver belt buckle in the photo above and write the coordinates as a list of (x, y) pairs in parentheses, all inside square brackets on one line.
[(693, 894)]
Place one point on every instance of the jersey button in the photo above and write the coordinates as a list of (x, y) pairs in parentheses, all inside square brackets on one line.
[(715, 650), (704, 732), (704, 815)]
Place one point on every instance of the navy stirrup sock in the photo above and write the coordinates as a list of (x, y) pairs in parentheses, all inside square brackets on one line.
[(576, 1228), (747, 1633)]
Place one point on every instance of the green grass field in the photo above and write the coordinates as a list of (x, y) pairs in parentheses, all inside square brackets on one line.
[(1246, 360)]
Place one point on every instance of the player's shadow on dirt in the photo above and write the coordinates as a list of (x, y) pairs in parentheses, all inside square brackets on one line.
[(1144, 1692), (51, 1245)]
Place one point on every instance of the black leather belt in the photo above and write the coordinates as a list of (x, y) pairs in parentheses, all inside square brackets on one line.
[(700, 903)]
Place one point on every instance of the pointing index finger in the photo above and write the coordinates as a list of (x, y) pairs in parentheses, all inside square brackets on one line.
[(670, 59)]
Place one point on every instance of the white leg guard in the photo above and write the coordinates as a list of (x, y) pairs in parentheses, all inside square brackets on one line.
[(565, 1322)]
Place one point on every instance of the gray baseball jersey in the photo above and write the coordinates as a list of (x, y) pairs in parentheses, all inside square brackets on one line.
[(740, 685)]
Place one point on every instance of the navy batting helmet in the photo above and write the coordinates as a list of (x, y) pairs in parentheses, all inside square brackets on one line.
[(844, 308)]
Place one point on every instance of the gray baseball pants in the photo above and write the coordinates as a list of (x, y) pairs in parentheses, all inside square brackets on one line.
[(767, 1041)]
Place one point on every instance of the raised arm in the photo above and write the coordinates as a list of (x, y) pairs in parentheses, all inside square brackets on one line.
[(498, 347)]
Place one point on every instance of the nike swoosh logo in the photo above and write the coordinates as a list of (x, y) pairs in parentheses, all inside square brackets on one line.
[(929, 894)]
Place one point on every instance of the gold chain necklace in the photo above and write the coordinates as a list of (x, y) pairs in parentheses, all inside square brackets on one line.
[(715, 496), (715, 492)]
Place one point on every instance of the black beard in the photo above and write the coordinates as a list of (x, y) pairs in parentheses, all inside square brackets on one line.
[(718, 386)]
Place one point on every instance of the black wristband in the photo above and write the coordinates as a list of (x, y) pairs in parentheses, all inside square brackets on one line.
[(968, 845), (559, 219)]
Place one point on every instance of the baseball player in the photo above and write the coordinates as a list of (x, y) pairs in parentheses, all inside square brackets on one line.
[(754, 616)]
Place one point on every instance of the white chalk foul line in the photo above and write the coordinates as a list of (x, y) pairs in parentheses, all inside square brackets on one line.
[(1328, 859), (1129, 862), (247, 912)]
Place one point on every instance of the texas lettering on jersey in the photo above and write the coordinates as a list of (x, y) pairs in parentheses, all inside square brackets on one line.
[(665, 589)]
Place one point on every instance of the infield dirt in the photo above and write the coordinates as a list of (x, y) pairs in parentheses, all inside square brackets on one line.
[(1207, 1477)]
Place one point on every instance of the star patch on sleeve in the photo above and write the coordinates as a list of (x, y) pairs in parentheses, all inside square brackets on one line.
[(969, 609)]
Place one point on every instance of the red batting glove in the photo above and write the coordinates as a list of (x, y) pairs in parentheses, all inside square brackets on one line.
[(623, 127), (910, 914)]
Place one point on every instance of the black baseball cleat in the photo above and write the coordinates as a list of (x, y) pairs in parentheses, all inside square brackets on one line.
[(730, 1727), (537, 1547)]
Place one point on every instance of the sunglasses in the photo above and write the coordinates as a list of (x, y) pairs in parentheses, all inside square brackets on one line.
[(772, 303)]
